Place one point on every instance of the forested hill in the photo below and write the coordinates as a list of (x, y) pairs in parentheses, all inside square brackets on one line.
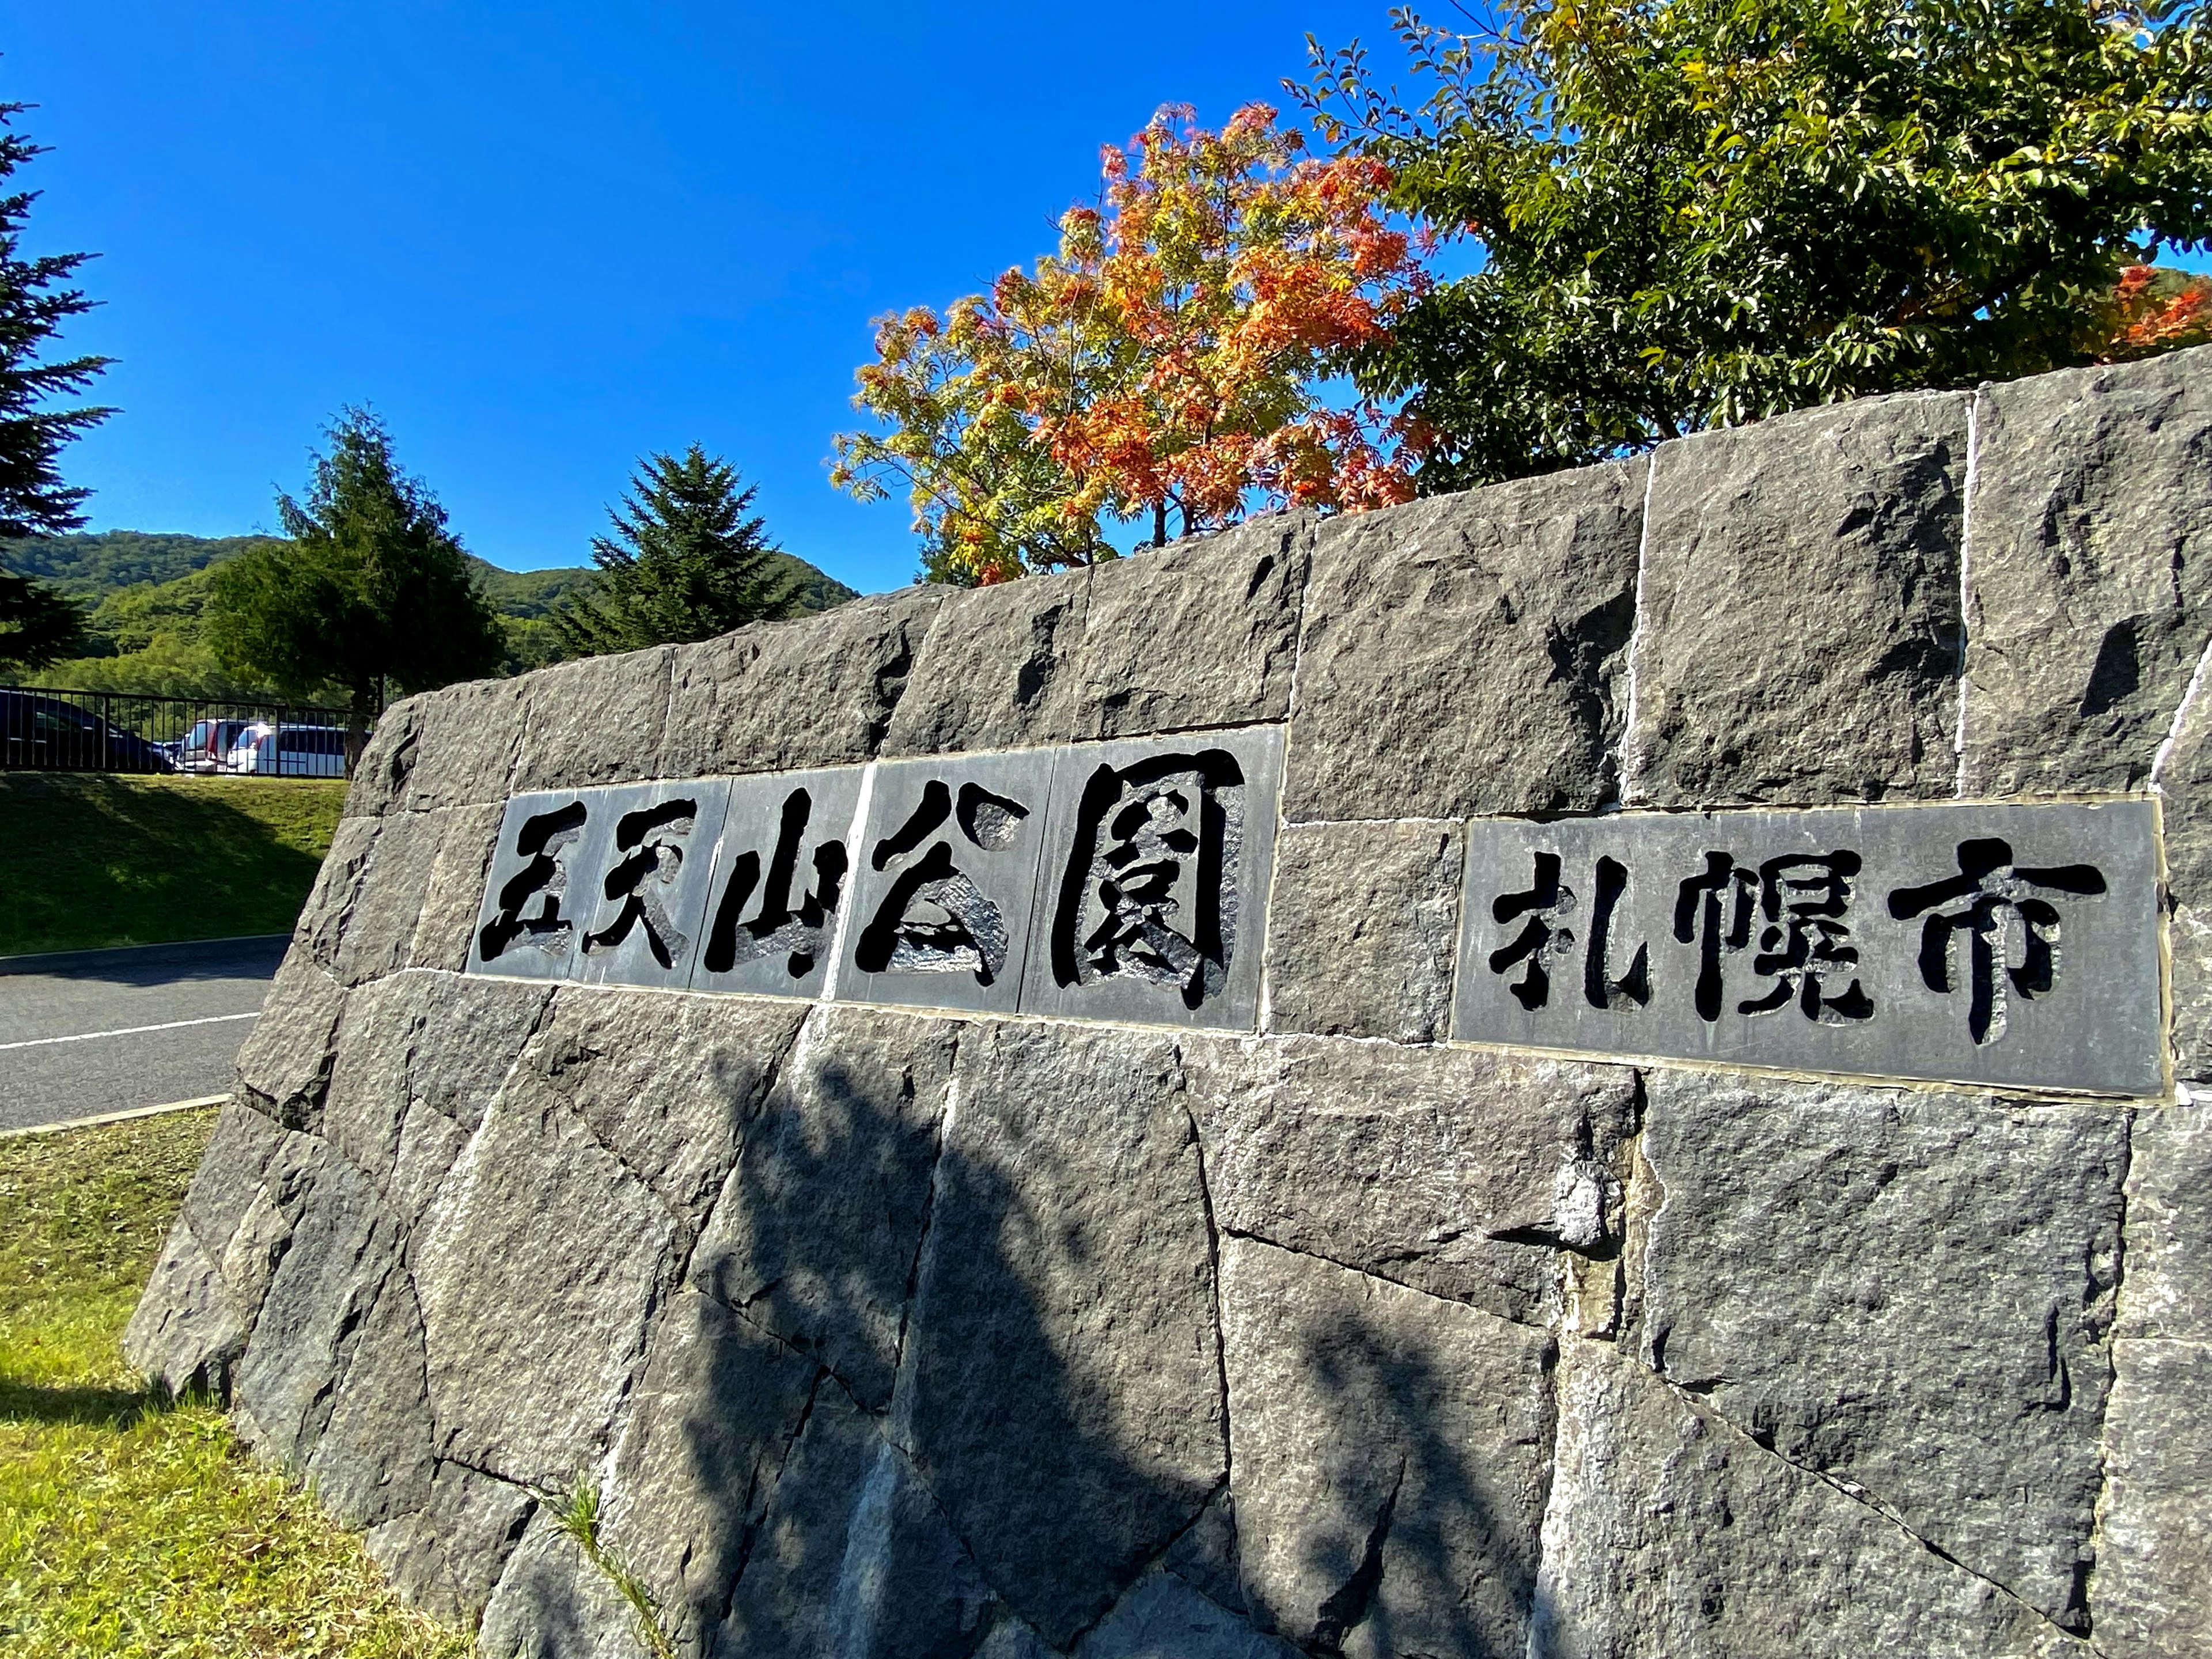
[(91, 566), (146, 595)]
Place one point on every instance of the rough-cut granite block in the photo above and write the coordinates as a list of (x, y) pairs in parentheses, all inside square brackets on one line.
[(452, 748), (1060, 1387), (1672, 1534), (538, 1266), (815, 1235), (2185, 781), (455, 888), (709, 1425), (1363, 929), (284, 1064), (2153, 1554), (1456, 1171), (447, 1556), (1389, 1455), (667, 1086), (1467, 653), (780, 696), (2168, 1289), (1934, 1277), (1164, 1618), (2089, 571), (994, 671), (187, 1333), (597, 721), (551, 1603), (419, 1057), (1198, 634), (1799, 638)]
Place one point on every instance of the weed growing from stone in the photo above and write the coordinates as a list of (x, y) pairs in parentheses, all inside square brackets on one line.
[(577, 1513), (133, 1528)]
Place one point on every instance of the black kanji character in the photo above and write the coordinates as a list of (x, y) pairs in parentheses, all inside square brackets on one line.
[(1600, 989), (935, 920), (1541, 941), (1150, 889), (546, 840), (776, 926), (652, 842), (2012, 933), (1713, 911)]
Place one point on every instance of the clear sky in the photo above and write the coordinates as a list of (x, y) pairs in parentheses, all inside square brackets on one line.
[(543, 240)]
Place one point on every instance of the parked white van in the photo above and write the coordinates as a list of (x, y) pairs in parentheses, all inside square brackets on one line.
[(293, 752)]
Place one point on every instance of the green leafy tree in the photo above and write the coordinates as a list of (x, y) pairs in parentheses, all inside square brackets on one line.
[(685, 563), (38, 625), (371, 593), (1693, 213)]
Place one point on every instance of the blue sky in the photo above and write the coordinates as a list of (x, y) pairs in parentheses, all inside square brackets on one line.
[(543, 240)]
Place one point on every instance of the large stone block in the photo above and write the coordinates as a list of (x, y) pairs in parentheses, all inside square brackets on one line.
[(1467, 653), (552, 1602), (1362, 930), (2168, 1288), (2154, 1559), (373, 1461), (1164, 1618), (456, 747), (1059, 1388), (455, 887), (1671, 1534), (778, 697), (994, 671), (319, 933), (538, 1266), (284, 1065), (2185, 781), (597, 721), (1799, 635), (1909, 1294), (2089, 570), (447, 1556), (338, 1255), (666, 1085), (710, 1424), (187, 1333), (1389, 1455), (1199, 634), (1456, 1171), (815, 1236), (419, 1057)]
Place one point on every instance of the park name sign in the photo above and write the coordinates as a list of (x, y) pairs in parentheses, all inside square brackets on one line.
[(1613, 1066), (2002, 942)]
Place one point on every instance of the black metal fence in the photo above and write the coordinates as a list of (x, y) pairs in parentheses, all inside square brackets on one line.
[(44, 730)]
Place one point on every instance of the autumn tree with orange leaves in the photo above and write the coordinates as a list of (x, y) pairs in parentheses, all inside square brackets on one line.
[(1166, 366)]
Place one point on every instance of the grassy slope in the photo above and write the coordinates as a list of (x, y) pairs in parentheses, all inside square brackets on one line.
[(88, 860), (130, 1528)]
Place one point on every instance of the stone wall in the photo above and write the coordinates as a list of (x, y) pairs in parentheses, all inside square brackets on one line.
[(897, 1330)]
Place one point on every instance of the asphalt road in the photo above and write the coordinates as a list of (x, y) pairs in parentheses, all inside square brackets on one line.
[(90, 1032)]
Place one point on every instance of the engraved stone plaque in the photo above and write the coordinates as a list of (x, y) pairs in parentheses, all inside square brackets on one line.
[(1153, 901), (783, 873), (946, 876), (645, 864), (529, 925), (2012, 943)]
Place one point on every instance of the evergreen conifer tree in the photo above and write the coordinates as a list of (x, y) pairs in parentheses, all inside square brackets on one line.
[(38, 625), (685, 563), (371, 592)]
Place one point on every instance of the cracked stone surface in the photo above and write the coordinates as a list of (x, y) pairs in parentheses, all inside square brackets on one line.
[(1389, 1459), (1457, 1172), (284, 1064), (1364, 929), (1033, 627), (815, 1236), (820, 690), (1467, 653), (2152, 1556), (1198, 634), (447, 1556), (1670, 1532), (2186, 782), (2090, 571), (1935, 1278), (538, 1266), (2168, 1291), (1061, 1389), (551, 1603), (1799, 641)]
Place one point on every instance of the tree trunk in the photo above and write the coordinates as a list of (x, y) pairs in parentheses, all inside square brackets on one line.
[(1160, 522)]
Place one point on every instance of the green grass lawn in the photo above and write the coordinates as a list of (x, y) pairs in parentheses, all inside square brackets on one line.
[(91, 860), (131, 1528)]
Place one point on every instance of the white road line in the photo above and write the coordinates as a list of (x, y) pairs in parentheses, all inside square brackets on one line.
[(128, 1031)]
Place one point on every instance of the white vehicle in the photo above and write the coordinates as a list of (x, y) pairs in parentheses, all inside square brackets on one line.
[(291, 751)]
